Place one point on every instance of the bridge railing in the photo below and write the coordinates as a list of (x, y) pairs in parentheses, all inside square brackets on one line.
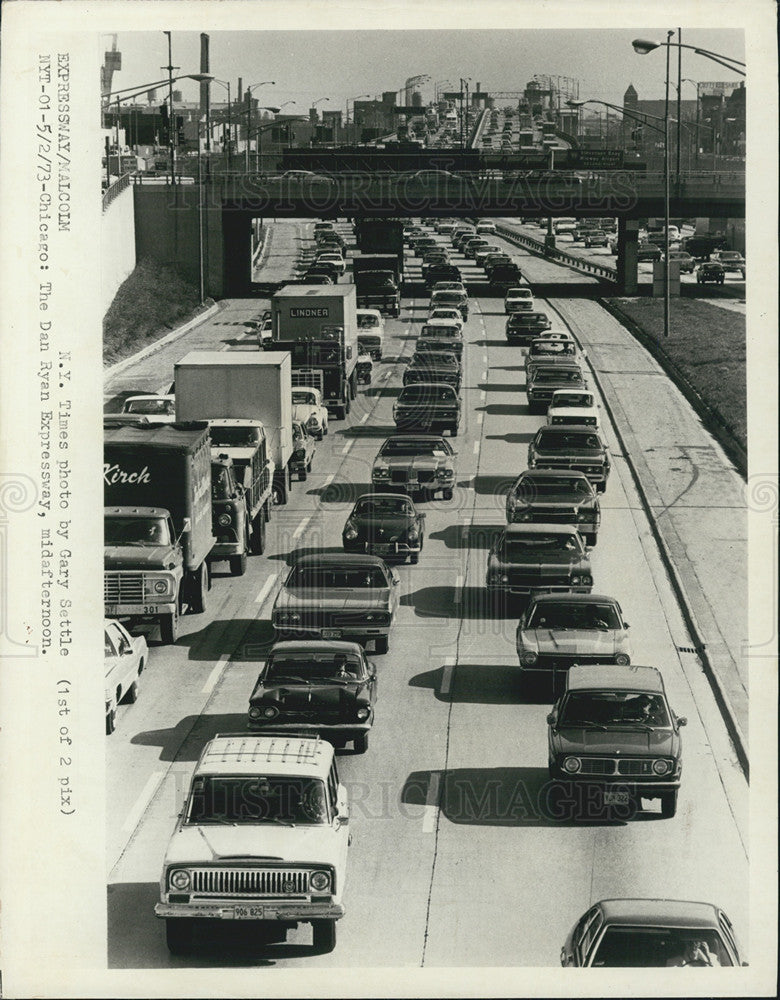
[(578, 263), (115, 189)]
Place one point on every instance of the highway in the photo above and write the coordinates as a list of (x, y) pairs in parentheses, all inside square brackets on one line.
[(453, 846)]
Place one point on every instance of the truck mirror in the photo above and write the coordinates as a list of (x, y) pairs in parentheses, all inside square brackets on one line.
[(349, 350), (187, 525), (246, 477)]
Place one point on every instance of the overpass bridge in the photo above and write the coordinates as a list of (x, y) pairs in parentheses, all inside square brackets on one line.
[(183, 224)]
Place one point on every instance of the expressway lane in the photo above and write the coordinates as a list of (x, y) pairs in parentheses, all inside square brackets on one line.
[(448, 810)]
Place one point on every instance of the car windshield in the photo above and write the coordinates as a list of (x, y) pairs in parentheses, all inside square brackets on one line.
[(530, 487), (614, 708), (136, 531), (440, 330), (235, 799), (572, 399), (554, 347), (543, 376), (382, 506), (623, 946), (309, 666), (555, 614), (427, 394), (234, 437), (438, 446), (367, 321), (301, 397), (151, 407), (439, 358), (562, 440), (452, 314), (337, 578), (220, 483), (517, 546), (527, 318)]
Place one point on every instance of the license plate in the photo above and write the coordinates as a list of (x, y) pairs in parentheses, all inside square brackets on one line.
[(331, 633), (383, 548), (615, 798), (244, 913)]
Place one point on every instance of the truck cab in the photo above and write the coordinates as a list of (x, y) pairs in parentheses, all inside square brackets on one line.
[(228, 515)]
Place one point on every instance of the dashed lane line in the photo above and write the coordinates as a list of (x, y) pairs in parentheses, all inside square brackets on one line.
[(301, 527), (145, 797), (215, 674), (431, 807), (266, 588)]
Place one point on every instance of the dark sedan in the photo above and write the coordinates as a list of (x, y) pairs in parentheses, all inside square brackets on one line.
[(648, 252), (385, 524), (440, 272), (524, 326), (578, 448), (544, 496), (434, 366), (710, 271), (325, 687)]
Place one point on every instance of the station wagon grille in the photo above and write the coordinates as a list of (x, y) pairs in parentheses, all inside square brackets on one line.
[(609, 765), (250, 881), (123, 588)]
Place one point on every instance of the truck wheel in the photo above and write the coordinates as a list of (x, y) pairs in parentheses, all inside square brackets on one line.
[(341, 413), (110, 721), (382, 643), (669, 804), (178, 935), (169, 628), (360, 743), (347, 405), (131, 695), (257, 539), (591, 538), (446, 494), (302, 473), (238, 564), (266, 511), (323, 935), (199, 588)]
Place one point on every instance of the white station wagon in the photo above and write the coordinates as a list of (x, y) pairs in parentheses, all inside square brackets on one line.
[(574, 406)]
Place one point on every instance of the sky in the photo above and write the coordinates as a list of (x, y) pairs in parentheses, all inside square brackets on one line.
[(307, 65)]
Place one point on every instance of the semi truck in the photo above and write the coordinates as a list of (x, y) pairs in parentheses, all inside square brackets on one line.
[(239, 386), (381, 236), (317, 324), (377, 280), (158, 521)]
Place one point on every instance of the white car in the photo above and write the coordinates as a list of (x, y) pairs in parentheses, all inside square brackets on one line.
[(486, 227), (308, 409), (449, 286), (160, 409), (518, 300), (574, 406), (331, 257), (124, 658), (446, 314)]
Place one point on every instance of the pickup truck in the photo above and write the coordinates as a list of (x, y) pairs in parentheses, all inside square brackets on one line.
[(427, 406)]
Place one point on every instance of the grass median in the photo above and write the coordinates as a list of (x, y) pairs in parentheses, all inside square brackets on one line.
[(705, 348), (150, 303)]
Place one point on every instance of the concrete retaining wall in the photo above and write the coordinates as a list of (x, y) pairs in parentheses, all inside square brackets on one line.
[(117, 245)]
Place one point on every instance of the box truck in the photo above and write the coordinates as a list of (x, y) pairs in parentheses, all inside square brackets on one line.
[(158, 521), (243, 385), (377, 279)]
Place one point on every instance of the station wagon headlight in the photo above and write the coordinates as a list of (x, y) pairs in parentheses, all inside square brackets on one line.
[(254, 712), (179, 879), (529, 656), (623, 659), (350, 532), (576, 579), (572, 765), (320, 881), (224, 520), (362, 713), (270, 712), (661, 766), (381, 473)]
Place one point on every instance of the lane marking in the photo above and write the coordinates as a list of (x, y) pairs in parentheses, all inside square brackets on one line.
[(329, 480), (147, 794), (345, 450), (446, 675), (476, 447), (364, 418), (482, 395), (265, 590), (484, 359), (480, 417), (484, 375), (302, 527), (458, 590), (215, 674), (431, 806)]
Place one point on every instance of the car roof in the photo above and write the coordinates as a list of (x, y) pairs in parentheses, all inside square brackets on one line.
[(340, 559), (317, 646), (287, 754), (589, 676), (669, 912), (413, 437), (383, 496), (573, 599), (572, 474)]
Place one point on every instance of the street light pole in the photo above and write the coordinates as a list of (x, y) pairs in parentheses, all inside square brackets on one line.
[(666, 192), (171, 116)]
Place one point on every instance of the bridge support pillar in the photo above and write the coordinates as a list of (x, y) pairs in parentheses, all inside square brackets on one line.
[(628, 237)]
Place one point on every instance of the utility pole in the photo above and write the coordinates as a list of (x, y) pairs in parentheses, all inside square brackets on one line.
[(679, 103), (171, 115)]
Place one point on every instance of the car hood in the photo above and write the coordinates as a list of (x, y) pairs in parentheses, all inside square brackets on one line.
[(411, 461), (656, 742), (257, 842), (585, 641), (333, 600), (542, 561), (385, 529), (560, 502), (140, 557)]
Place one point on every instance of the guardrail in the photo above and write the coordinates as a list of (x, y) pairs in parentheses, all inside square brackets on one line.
[(115, 190), (586, 266)]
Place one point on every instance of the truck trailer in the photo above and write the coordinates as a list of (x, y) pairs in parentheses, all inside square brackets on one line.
[(317, 324), (243, 385), (158, 521), (377, 280)]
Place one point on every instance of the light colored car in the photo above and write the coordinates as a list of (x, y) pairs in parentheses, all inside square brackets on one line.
[(518, 299), (307, 407), (331, 257), (449, 286), (569, 406), (161, 409), (124, 658), (486, 227), (446, 314), (263, 836)]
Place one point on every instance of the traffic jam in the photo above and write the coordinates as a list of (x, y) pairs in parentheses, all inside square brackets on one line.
[(194, 479)]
